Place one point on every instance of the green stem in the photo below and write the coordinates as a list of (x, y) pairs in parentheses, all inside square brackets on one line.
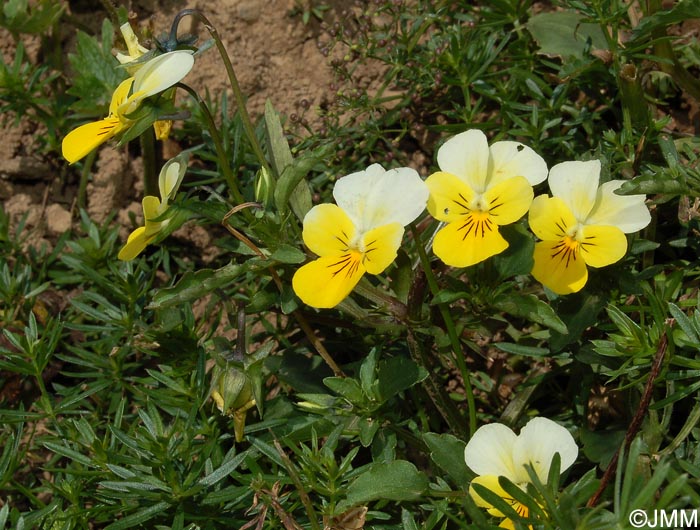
[(84, 177), (240, 100), (451, 330), (148, 152), (224, 164), (662, 48)]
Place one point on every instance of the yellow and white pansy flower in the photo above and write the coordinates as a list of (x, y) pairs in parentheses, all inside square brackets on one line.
[(478, 189), (361, 233), (581, 225), (168, 183), (496, 451), (155, 76)]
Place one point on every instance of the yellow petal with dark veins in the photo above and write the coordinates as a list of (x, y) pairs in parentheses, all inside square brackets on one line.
[(469, 240), (325, 282)]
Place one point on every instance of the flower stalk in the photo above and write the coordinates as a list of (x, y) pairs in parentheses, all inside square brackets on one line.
[(238, 95), (451, 330)]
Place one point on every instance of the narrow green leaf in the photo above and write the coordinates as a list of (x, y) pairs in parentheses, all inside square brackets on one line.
[(226, 468), (139, 517), (194, 285), (68, 453)]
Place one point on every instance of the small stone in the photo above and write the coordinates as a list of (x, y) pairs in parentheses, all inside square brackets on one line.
[(58, 219), (249, 11)]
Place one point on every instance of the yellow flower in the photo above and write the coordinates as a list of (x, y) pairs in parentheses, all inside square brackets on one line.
[(155, 76), (153, 208), (581, 224), (496, 451), (478, 189), (362, 233)]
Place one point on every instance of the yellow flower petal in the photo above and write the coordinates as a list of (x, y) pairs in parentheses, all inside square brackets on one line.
[(469, 240), (79, 142), (151, 210), (508, 201), (559, 266), (325, 282), (135, 244), (602, 245), (550, 218), (120, 95), (162, 129), (380, 247), (450, 197), (491, 483), (328, 230)]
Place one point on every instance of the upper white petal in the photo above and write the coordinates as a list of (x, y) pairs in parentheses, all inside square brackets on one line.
[(466, 155), (376, 197), (513, 159), (576, 183), (627, 212), (490, 451), (162, 72), (536, 445)]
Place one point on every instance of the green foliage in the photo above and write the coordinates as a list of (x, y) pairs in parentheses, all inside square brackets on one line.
[(96, 75), (19, 17)]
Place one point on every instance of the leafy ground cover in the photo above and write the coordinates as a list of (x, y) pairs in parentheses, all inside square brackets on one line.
[(414, 306)]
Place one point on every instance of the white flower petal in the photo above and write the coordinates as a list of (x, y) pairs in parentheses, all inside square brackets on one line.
[(490, 451), (162, 72), (466, 155), (171, 176), (513, 159), (627, 212), (375, 197), (576, 183), (536, 445)]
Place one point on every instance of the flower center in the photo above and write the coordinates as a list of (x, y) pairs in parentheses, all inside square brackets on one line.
[(476, 224), (567, 249), (346, 264)]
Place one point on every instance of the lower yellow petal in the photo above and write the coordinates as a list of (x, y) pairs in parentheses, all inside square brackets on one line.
[(468, 241), (509, 200), (328, 230), (450, 197), (490, 482), (151, 210), (325, 282), (380, 246), (135, 244), (79, 142), (602, 245), (559, 266)]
